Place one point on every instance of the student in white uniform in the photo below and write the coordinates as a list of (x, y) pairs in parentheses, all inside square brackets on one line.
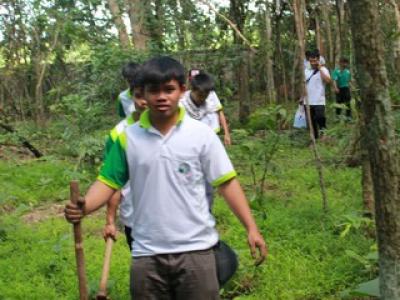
[(167, 157), (203, 104)]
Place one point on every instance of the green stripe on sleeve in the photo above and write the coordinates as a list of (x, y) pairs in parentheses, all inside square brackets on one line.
[(114, 171), (108, 182), (122, 140), (114, 134), (224, 178)]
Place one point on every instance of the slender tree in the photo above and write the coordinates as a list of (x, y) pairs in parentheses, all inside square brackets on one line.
[(379, 140), (119, 23), (138, 11)]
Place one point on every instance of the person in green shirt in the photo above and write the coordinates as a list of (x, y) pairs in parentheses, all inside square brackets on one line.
[(341, 82)]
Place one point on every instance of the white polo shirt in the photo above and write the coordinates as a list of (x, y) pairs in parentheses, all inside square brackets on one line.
[(167, 178), (316, 86), (127, 102), (125, 207), (206, 113)]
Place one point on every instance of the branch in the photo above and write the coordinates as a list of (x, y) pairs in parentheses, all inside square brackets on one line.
[(24, 142), (231, 24)]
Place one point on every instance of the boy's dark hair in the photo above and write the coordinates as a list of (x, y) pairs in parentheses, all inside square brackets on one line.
[(314, 54), (308, 53), (344, 60), (203, 83), (136, 79), (162, 69), (129, 71)]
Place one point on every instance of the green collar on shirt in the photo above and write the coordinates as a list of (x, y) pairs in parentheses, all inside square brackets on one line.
[(144, 120)]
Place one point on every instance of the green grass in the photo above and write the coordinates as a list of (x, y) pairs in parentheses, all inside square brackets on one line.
[(31, 182), (307, 255)]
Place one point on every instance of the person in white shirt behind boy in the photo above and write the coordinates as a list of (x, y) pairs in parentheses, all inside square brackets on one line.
[(203, 104)]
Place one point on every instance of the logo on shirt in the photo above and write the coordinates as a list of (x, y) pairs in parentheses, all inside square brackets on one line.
[(184, 168)]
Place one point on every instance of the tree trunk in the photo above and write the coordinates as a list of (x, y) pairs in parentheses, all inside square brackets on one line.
[(318, 37), (396, 43), (299, 10), (179, 25), (328, 51), (269, 56), (282, 84), (137, 11), (379, 140), (238, 15), (119, 23), (340, 30), (367, 185)]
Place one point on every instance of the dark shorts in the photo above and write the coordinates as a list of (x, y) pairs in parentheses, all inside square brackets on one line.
[(181, 276), (343, 96)]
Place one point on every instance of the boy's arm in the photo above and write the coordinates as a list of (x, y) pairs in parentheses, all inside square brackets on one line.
[(224, 124), (113, 175), (110, 229), (335, 86), (325, 75), (234, 196), (97, 195)]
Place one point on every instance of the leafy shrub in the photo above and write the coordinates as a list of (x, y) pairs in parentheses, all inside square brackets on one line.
[(269, 118)]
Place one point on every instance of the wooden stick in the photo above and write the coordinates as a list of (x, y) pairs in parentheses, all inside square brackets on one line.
[(102, 294), (80, 259)]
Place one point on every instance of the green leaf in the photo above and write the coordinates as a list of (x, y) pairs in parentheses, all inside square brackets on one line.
[(369, 288)]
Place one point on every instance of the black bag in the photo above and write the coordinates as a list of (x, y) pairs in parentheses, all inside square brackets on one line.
[(226, 261)]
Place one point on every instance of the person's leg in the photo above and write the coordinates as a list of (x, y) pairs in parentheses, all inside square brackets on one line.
[(320, 118), (195, 276), (338, 101), (314, 120), (128, 235), (149, 278), (346, 100)]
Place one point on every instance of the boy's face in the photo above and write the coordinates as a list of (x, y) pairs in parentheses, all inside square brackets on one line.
[(163, 99), (314, 62), (198, 97), (140, 102), (343, 64)]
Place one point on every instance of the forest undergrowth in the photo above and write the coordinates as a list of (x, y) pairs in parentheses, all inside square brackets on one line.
[(312, 254)]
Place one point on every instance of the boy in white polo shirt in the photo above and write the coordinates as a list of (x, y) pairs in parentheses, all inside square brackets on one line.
[(121, 198), (167, 157)]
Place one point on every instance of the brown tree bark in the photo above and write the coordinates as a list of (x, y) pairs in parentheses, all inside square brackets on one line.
[(379, 140), (137, 11), (267, 45), (396, 43), (299, 8), (282, 90), (328, 50), (340, 30), (119, 23), (238, 15)]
